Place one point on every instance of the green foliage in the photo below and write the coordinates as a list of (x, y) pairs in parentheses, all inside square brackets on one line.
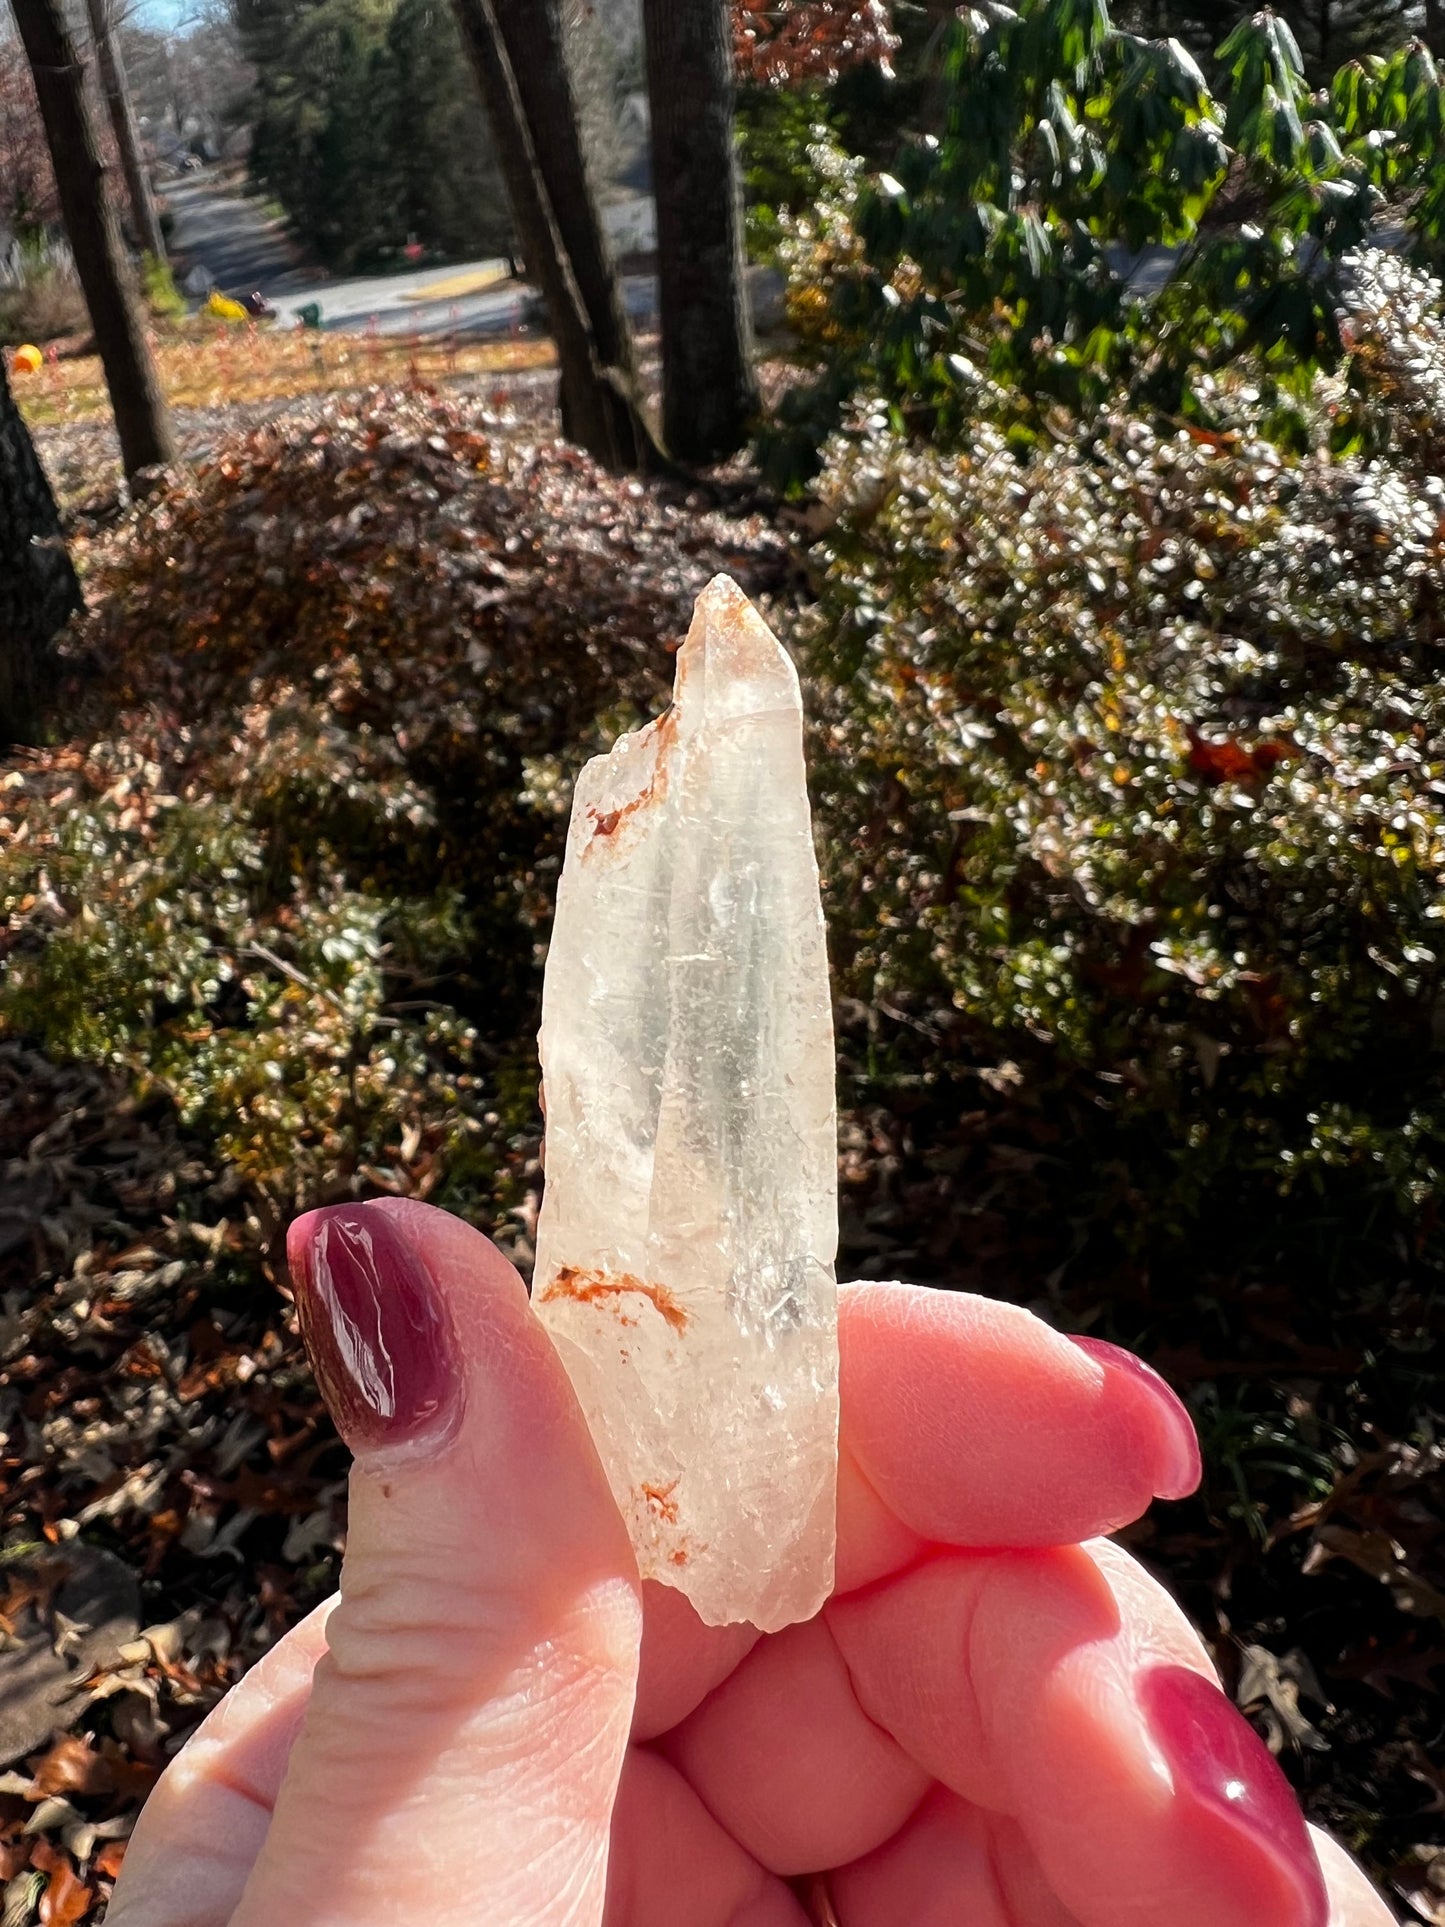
[(294, 868), (1135, 795), (1250, 1447), (158, 937), (777, 129), (158, 285), (450, 190), (1094, 222), (1328, 32), (368, 129), (1389, 118)]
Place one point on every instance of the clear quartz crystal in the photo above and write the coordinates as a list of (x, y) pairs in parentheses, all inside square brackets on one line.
[(688, 1231)]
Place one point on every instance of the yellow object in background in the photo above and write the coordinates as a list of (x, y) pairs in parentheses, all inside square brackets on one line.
[(224, 309), (455, 285), (27, 360)]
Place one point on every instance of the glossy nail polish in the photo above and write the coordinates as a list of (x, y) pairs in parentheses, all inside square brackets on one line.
[(376, 1330), (1183, 1467), (1219, 1760)]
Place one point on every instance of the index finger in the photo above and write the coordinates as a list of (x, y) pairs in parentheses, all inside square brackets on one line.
[(965, 1423), (976, 1424)]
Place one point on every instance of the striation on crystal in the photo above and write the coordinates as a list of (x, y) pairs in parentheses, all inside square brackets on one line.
[(689, 1224)]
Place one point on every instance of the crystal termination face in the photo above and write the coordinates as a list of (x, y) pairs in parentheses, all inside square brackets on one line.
[(689, 1226)]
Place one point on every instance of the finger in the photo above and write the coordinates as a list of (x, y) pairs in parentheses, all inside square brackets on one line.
[(1029, 1898), (682, 1659), (937, 1870), (977, 1425), (951, 1862), (781, 1755), (203, 1826), (1064, 1689), (1171, 1638), (460, 1754), (672, 1862), (872, 1540), (934, 1389), (1353, 1901)]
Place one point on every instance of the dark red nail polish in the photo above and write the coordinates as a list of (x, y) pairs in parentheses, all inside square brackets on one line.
[(1183, 1468), (376, 1330), (1217, 1757)]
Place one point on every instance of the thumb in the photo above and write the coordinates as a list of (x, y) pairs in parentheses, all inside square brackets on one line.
[(465, 1735)]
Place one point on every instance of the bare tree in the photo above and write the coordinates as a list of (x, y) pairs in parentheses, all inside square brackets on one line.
[(38, 589), (516, 49), (709, 389), (121, 109), (90, 221)]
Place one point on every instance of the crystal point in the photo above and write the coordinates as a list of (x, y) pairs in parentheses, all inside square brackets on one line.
[(688, 1230)]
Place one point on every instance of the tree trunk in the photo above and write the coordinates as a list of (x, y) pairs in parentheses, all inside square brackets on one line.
[(709, 390), (90, 220), (118, 104), (538, 145), (532, 30), (38, 589)]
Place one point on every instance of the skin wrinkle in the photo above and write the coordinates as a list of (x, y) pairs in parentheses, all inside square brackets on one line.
[(1024, 1896), (218, 1776), (967, 1596), (991, 1859), (867, 1766), (394, 1634), (907, 1548), (677, 1660), (891, 1739), (662, 1835)]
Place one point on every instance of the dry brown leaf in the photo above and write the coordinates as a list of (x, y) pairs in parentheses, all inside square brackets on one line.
[(14, 1858), (66, 1900), (72, 1766), (109, 1860)]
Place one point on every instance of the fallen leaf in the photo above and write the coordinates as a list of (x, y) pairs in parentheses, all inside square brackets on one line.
[(109, 1860), (66, 1899), (71, 1766)]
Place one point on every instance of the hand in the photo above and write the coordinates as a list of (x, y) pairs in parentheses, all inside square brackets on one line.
[(998, 1720)]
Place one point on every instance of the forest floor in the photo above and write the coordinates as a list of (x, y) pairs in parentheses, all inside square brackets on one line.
[(208, 369), (173, 1492)]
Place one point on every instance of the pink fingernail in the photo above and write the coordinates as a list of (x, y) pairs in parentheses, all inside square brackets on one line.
[(1183, 1467), (1217, 1757)]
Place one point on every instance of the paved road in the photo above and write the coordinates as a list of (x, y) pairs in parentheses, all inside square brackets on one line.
[(398, 304), (230, 236), (395, 304)]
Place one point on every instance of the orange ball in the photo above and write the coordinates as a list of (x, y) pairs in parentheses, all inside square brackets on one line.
[(27, 360)]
